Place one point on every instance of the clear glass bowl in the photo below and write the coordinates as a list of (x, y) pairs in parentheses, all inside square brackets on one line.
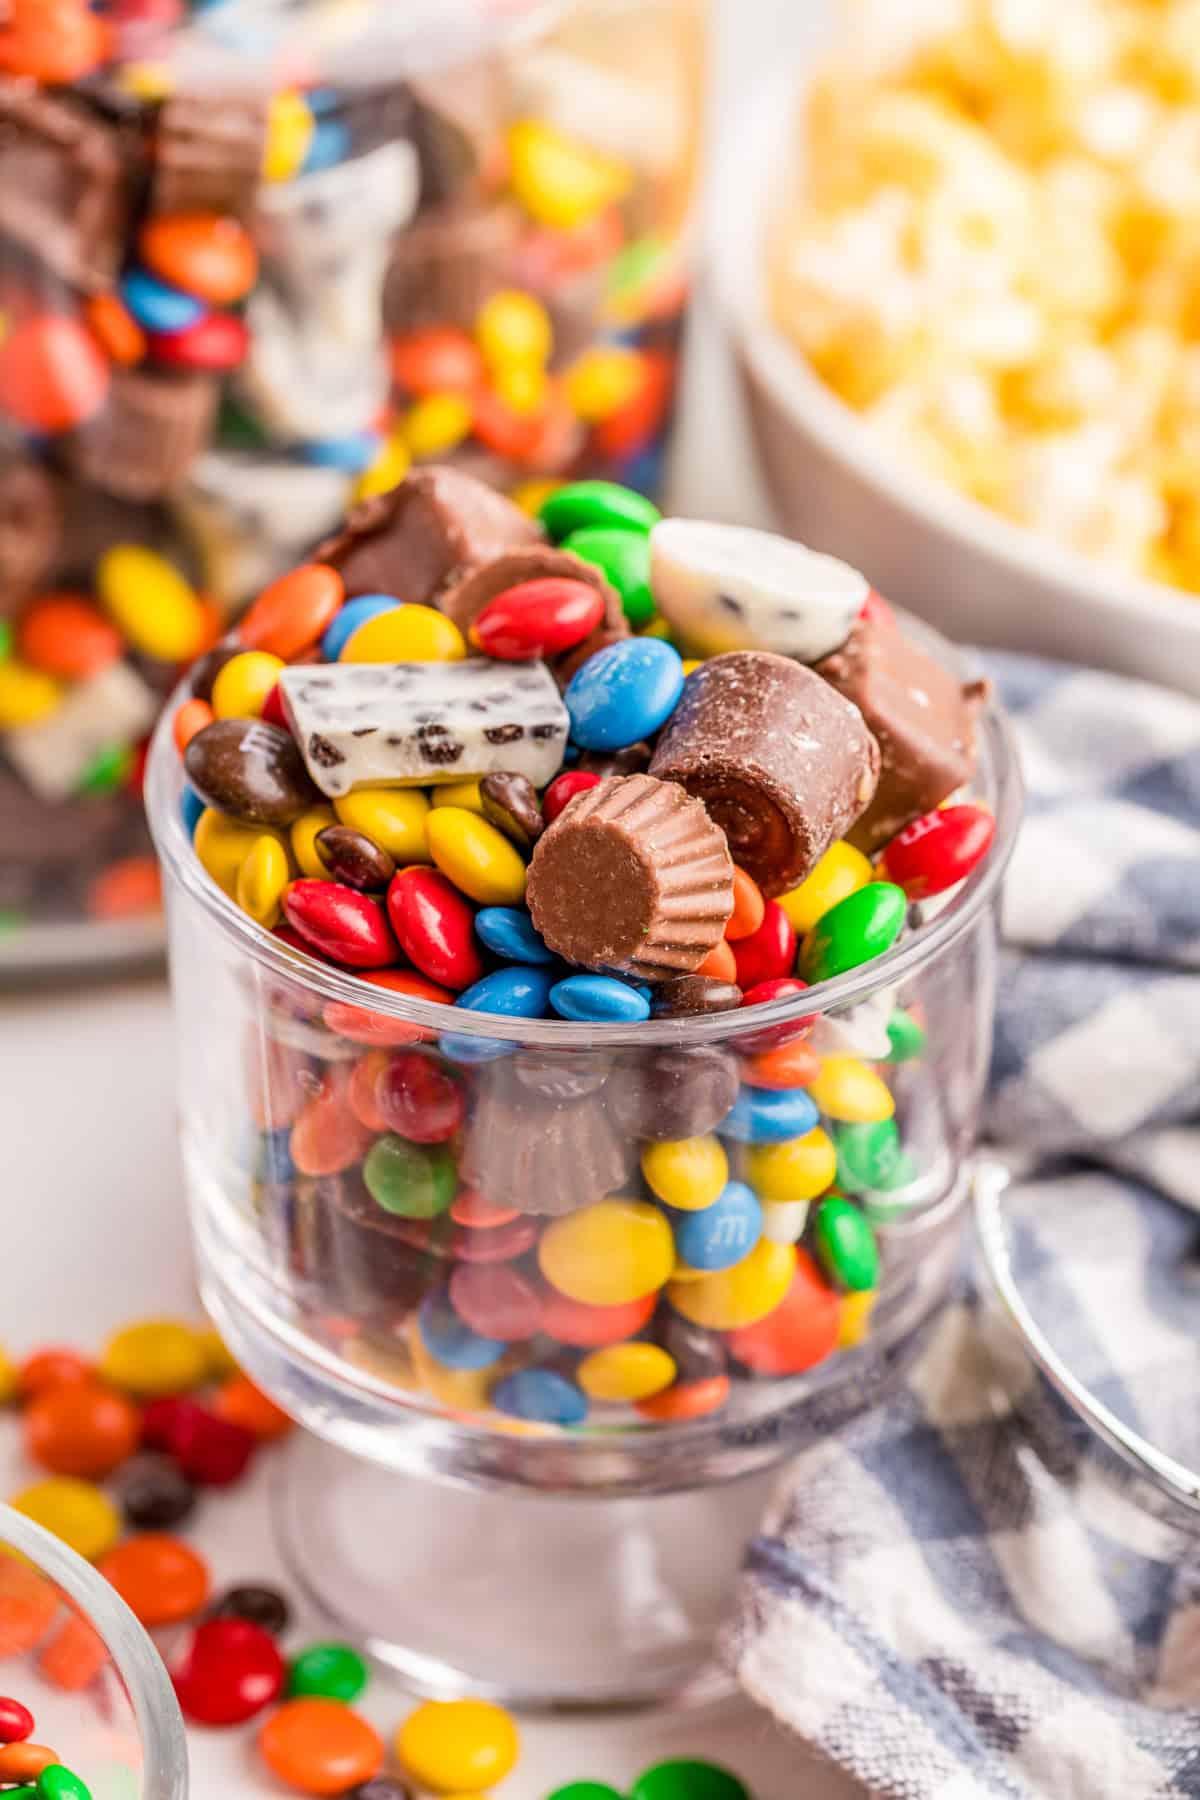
[(120, 1730), (445, 1310), (363, 182)]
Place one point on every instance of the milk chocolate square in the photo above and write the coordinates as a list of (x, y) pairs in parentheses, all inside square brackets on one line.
[(65, 184), (150, 432), (208, 153)]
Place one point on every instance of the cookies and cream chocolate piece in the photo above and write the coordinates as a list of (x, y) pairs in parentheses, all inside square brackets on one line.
[(422, 538), (724, 587), (920, 713), (251, 516), (409, 724), (781, 771), (53, 756), (632, 876)]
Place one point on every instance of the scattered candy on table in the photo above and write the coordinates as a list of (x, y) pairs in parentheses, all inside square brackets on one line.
[(521, 784)]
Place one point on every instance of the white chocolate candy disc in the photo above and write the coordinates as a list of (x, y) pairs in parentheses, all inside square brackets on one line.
[(410, 724), (725, 587)]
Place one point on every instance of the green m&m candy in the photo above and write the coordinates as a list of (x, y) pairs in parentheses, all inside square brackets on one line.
[(576, 1790), (405, 1179), (582, 505), (846, 1245), (860, 927), (332, 1671), (686, 1780), (623, 558), (906, 1037), (868, 1156), (57, 1783)]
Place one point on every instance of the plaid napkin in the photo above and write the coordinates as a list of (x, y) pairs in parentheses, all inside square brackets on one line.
[(965, 1595)]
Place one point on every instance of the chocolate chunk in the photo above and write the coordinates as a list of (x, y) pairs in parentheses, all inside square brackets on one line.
[(353, 859), (665, 1094), (922, 715), (539, 1153), (448, 263), (510, 803), (208, 152), (698, 1354), (458, 117), (464, 600), (65, 190), (689, 994), (153, 427), (634, 876), (250, 770), (375, 1266), (423, 537), (155, 1494), (781, 771), (634, 759), (30, 528)]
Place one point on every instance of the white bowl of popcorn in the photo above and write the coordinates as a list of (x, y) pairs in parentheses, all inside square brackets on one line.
[(962, 275)]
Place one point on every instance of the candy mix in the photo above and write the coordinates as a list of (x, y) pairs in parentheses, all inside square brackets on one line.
[(148, 1417), (439, 758), (251, 267), (993, 257)]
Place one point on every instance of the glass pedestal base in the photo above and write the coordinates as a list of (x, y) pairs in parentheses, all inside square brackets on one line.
[(536, 1601)]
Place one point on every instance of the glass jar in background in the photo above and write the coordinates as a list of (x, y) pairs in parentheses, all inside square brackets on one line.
[(535, 1259), (256, 259)]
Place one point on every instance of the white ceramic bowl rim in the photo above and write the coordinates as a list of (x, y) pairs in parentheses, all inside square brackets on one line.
[(155, 1708), (745, 188)]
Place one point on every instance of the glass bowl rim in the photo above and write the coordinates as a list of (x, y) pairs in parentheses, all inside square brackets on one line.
[(1173, 1479), (151, 1695), (345, 988)]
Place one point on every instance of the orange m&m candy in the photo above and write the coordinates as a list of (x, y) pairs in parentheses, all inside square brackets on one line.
[(24, 1762), (239, 1402), (205, 254), (439, 359), (52, 1367), (719, 964), (291, 614), (362, 1026), (749, 907), (160, 1578), (801, 1331), (28, 1604), (74, 1656), (55, 41), (320, 1746), (128, 889), (686, 1400), (116, 329), (67, 636), (789, 1066), (53, 374), (327, 1137), (191, 718), (81, 1428), (360, 1090)]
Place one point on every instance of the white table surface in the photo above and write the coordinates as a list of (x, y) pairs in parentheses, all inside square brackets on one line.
[(93, 1216)]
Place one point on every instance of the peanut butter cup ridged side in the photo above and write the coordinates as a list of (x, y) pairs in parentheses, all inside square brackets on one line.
[(632, 876)]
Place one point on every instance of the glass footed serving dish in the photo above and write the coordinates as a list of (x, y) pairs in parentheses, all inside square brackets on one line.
[(74, 1655), (525, 1405), (255, 261)]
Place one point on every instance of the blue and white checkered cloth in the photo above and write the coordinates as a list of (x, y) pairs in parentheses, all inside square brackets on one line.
[(958, 1596)]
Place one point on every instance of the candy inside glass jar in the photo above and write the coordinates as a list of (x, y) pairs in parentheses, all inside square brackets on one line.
[(256, 262), (581, 1027)]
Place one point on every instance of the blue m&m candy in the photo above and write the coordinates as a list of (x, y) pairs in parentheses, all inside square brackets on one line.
[(347, 621), (624, 693), (450, 1341), (598, 999), (721, 1234), (516, 992), (769, 1116), (542, 1396), (157, 306), (508, 931)]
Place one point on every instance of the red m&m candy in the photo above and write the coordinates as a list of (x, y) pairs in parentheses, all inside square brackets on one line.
[(753, 1043), (347, 926), (938, 850), (769, 953), (563, 789), (53, 374), (417, 1097), (16, 1721), (801, 1331), (229, 1671), (217, 342), (538, 618), (435, 926)]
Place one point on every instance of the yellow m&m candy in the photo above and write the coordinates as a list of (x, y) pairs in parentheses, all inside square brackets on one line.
[(840, 872), (241, 687), (406, 634), (77, 1512), (303, 837), (458, 793), (153, 1357), (223, 844), (476, 857), (150, 602), (798, 1169), (609, 1253), (847, 1090), (626, 1372), (393, 818), (458, 1744), (559, 181), (262, 880), (688, 1173), (27, 695), (738, 1296)]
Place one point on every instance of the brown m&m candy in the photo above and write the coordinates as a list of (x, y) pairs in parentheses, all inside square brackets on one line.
[(781, 770), (921, 715), (632, 875)]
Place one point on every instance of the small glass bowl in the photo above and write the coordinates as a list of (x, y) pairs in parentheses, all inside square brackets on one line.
[(73, 1653)]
